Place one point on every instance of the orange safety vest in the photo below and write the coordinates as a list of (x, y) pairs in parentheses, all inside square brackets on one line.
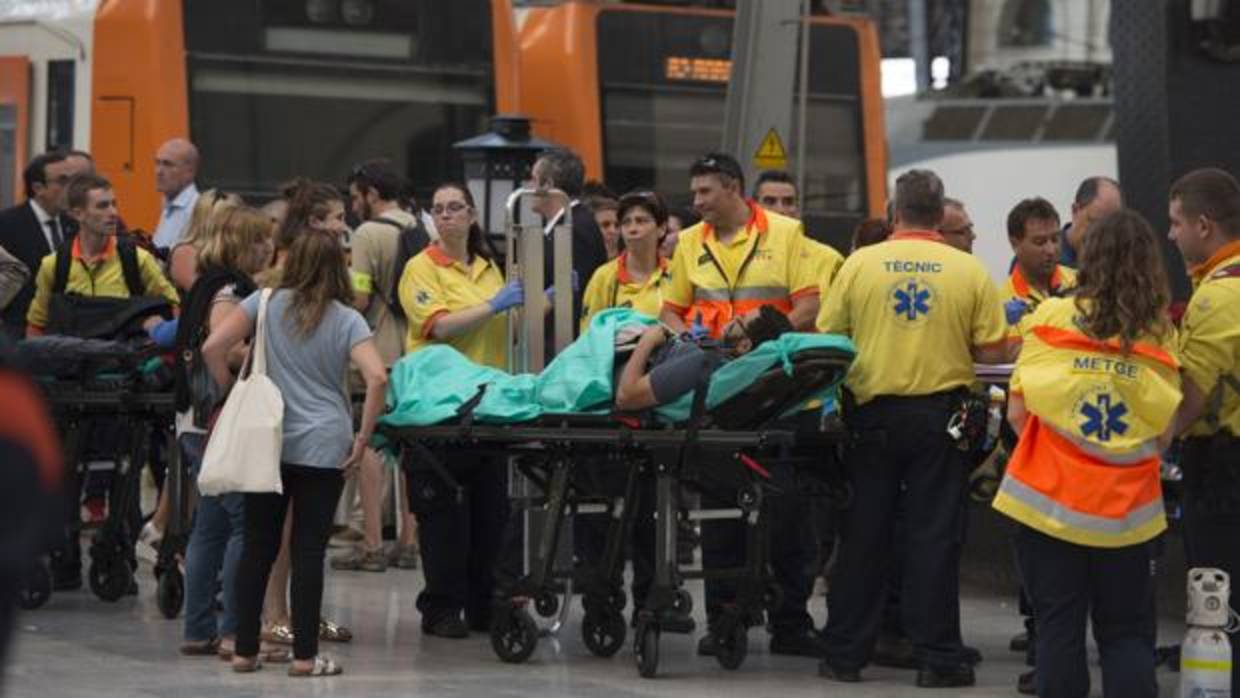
[(1086, 468), (774, 271)]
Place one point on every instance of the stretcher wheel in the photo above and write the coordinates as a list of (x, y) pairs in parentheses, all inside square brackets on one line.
[(170, 592), (731, 647), (603, 633), (547, 604), (646, 649), (109, 579), (38, 587), (514, 635)]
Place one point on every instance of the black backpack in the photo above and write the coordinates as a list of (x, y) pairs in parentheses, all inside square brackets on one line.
[(194, 386), (102, 317), (413, 239)]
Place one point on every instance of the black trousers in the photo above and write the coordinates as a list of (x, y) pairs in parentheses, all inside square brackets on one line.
[(460, 538), (102, 439), (1212, 515), (1071, 584), (903, 457), (791, 552), (314, 493)]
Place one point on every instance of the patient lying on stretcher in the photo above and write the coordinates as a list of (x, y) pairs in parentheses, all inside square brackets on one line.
[(664, 366)]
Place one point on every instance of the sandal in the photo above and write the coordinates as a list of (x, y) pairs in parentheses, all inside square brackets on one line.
[(200, 648), (246, 666), (266, 655), (330, 632), (323, 666), (280, 634)]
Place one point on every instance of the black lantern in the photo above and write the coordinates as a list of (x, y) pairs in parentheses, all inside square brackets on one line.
[(497, 163)]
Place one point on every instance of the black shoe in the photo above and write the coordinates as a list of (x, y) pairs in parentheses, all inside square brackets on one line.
[(1027, 683), (1019, 643), (971, 655), (834, 673), (895, 652), (708, 646), (946, 678), (450, 626), (804, 643)]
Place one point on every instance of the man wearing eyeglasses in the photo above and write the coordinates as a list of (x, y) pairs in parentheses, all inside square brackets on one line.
[(33, 229), (957, 226)]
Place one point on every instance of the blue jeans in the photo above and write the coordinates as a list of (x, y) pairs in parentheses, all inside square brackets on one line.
[(212, 555)]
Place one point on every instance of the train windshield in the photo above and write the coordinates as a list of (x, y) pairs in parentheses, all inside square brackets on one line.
[(311, 87), (663, 106)]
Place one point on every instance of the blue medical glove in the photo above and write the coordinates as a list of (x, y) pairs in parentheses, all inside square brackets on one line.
[(510, 296), (698, 331), (164, 334), (1015, 309), (550, 290)]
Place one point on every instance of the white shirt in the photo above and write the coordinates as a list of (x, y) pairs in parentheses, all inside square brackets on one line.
[(174, 218), (44, 219)]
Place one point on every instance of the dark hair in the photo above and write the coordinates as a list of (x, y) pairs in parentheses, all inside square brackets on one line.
[(1212, 193), (687, 216), (565, 170), (870, 231), (780, 176), (652, 202), (307, 199), (770, 324), (722, 165), (918, 198), (80, 154), (477, 244), (1035, 209), (378, 176), (36, 170), (1088, 189), (1123, 278), (81, 186), (317, 274), (597, 190)]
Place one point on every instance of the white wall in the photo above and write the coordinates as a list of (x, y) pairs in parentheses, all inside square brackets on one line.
[(991, 182)]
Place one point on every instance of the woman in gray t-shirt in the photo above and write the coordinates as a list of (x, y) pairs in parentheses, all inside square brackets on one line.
[(312, 333)]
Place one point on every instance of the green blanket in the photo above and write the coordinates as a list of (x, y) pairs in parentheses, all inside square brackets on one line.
[(430, 385)]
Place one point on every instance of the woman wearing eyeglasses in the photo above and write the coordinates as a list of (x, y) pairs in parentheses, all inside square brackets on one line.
[(454, 293), (635, 278)]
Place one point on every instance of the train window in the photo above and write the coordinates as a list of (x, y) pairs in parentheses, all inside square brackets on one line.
[(61, 78), (663, 103), (356, 78)]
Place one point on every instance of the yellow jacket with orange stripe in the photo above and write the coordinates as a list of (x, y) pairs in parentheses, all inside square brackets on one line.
[(766, 263), (1086, 468)]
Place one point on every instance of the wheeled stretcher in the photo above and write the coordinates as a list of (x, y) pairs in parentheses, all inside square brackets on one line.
[(726, 441), (127, 387)]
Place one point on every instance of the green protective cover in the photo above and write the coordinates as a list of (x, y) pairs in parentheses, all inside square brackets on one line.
[(430, 385), (734, 376)]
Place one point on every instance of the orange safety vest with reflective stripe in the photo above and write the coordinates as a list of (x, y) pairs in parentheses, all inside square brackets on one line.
[(774, 270), (1086, 468)]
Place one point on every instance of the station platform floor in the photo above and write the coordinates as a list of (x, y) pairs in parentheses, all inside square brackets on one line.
[(77, 645)]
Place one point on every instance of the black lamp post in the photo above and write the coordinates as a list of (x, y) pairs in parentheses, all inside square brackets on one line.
[(497, 163)]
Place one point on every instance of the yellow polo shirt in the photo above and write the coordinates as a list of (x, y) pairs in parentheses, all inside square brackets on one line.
[(434, 284), (612, 287), (100, 277), (1210, 340), (915, 307), (825, 262), (763, 264), (1063, 279)]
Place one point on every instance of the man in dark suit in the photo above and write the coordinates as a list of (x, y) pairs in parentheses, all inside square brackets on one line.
[(31, 230), (563, 170)]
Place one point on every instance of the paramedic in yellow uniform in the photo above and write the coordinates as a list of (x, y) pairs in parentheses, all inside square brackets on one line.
[(920, 312), (635, 279), (1094, 395), (454, 294), (1033, 231), (739, 258), (1205, 225)]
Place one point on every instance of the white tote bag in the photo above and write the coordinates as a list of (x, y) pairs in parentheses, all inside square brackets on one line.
[(243, 452)]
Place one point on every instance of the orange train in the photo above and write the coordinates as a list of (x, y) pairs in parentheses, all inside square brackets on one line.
[(283, 87)]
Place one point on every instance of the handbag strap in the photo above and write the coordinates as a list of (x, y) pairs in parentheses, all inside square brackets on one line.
[(258, 352)]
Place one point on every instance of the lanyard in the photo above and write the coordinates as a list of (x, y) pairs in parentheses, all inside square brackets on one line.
[(740, 273)]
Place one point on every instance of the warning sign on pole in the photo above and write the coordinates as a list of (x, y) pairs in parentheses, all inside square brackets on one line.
[(771, 154)]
